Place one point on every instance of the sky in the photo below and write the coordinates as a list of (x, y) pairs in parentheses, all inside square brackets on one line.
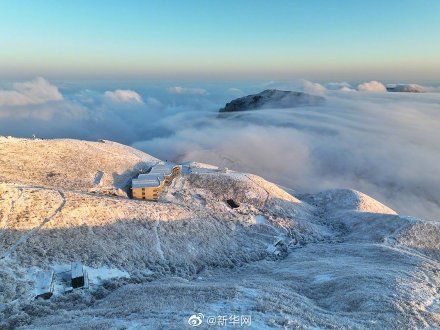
[(204, 40), (153, 75)]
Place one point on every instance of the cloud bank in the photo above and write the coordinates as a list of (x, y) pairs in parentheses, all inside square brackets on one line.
[(186, 90), (384, 144), (313, 88), (37, 91), (123, 96), (372, 86)]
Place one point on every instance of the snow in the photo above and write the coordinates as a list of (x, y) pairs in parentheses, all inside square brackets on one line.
[(334, 259), (322, 278), (95, 276), (99, 275), (70, 164), (260, 219)]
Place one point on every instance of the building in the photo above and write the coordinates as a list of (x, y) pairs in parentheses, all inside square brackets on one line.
[(44, 284), (78, 275), (149, 186)]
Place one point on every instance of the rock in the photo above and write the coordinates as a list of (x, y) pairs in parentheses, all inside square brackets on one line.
[(272, 98), (279, 248), (406, 88)]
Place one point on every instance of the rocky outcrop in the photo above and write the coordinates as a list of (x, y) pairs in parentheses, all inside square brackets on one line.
[(406, 88), (272, 98)]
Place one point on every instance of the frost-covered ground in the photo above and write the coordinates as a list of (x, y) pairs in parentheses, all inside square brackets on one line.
[(342, 260), (70, 164)]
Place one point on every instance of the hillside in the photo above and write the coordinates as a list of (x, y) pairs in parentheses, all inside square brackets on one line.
[(70, 164), (337, 258)]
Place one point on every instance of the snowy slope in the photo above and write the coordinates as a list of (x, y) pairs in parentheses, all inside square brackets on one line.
[(344, 260), (70, 164)]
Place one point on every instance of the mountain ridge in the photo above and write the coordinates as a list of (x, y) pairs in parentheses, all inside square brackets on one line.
[(272, 98), (271, 249)]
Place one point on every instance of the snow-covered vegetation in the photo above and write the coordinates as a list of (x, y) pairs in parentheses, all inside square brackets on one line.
[(71, 164), (217, 242)]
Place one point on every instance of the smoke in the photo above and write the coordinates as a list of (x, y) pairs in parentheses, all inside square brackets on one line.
[(384, 144)]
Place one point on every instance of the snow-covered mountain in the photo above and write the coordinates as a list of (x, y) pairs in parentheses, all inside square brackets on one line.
[(217, 242), (272, 98)]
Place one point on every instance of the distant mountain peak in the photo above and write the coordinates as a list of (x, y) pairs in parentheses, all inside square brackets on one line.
[(272, 98), (406, 88)]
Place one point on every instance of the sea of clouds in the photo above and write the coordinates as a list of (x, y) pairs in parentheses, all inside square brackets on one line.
[(384, 144)]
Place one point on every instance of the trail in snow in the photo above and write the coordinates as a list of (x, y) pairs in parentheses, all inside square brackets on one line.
[(158, 242), (80, 192), (11, 208), (8, 213), (30, 233), (268, 194)]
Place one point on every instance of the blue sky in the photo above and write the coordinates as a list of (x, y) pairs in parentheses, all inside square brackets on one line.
[(221, 39)]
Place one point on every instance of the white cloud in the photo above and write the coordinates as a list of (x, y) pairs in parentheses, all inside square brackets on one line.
[(346, 89), (372, 86), (383, 144), (186, 90), (296, 85), (339, 86), (123, 96), (235, 92), (313, 88), (84, 114), (37, 91), (153, 102)]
